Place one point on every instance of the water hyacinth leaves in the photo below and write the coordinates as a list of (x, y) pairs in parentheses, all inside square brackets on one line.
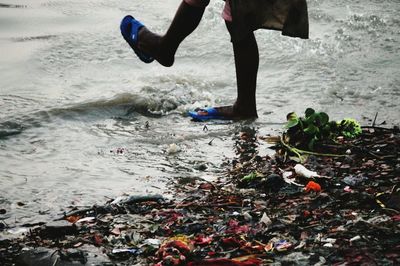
[(292, 120), (349, 128), (308, 130)]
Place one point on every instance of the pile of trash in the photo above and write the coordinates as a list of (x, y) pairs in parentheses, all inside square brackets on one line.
[(340, 210)]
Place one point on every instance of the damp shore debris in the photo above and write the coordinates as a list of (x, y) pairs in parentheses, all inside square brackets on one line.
[(266, 210)]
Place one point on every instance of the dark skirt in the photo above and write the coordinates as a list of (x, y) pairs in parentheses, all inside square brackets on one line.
[(288, 16)]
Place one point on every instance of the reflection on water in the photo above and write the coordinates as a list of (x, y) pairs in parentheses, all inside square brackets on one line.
[(72, 94)]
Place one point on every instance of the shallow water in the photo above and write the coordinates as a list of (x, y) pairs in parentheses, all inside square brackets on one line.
[(72, 94)]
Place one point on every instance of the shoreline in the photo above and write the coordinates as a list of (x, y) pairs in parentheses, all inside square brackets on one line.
[(237, 220)]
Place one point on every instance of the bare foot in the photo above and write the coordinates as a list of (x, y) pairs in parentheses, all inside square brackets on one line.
[(230, 112)]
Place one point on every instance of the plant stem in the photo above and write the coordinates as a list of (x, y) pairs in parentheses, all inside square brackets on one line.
[(298, 152)]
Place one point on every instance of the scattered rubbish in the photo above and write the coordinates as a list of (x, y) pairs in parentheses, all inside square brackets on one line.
[(256, 214), (282, 245), (347, 189), (46, 256), (57, 229), (137, 199), (356, 238), (152, 242), (250, 177), (328, 240), (226, 262), (265, 220), (302, 171), (273, 183), (174, 251), (86, 219), (286, 178), (354, 180), (125, 250), (312, 186)]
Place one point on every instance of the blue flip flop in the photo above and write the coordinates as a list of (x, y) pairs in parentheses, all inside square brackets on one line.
[(212, 113), (130, 31)]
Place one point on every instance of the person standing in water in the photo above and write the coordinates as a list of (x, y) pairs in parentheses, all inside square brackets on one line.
[(242, 18)]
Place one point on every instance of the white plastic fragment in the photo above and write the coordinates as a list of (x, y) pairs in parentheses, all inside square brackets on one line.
[(152, 242), (286, 175), (302, 171), (329, 240), (356, 238), (265, 220), (328, 245), (86, 219)]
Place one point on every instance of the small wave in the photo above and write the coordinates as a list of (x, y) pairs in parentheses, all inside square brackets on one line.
[(128, 103), (16, 125), (150, 102)]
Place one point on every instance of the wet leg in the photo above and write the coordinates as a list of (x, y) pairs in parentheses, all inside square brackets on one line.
[(246, 64)]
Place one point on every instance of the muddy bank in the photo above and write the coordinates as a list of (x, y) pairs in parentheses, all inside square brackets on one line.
[(262, 211)]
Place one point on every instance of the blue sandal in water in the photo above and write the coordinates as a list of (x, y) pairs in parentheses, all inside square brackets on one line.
[(130, 31), (204, 114)]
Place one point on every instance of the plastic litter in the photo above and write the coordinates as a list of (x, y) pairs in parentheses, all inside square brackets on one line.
[(302, 171), (312, 186), (265, 220), (87, 219), (223, 223), (137, 199), (282, 245), (356, 238), (286, 175), (152, 242), (133, 251), (354, 180)]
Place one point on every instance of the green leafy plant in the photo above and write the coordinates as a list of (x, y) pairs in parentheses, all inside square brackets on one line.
[(305, 132), (315, 128), (349, 128)]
